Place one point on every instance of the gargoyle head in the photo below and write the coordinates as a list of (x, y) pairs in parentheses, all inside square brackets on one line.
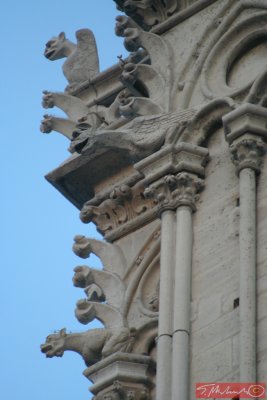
[(80, 135), (54, 344), (55, 47)]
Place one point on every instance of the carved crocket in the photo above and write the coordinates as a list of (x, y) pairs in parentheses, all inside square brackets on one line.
[(99, 285), (82, 62), (92, 345)]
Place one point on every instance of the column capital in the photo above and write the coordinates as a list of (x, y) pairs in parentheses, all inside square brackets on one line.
[(247, 152), (246, 131), (174, 191), (173, 175)]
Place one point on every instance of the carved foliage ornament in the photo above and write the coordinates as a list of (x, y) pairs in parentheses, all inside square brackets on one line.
[(175, 190), (124, 204), (247, 153), (120, 391)]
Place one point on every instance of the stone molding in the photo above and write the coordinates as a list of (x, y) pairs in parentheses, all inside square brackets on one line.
[(173, 159), (246, 131)]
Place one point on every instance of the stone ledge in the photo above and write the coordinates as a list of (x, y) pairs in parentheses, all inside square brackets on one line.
[(125, 368), (248, 118)]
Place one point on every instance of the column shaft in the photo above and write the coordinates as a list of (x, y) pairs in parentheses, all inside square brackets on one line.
[(182, 301), (248, 295), (164, 344)]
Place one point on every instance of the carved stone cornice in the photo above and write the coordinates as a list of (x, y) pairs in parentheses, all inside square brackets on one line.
[(128, 208), (246, 131), (114, 215), (122, 376), (175, 190)]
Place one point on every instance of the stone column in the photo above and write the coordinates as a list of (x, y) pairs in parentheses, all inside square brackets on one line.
[(166, 210), (246, 130), (164, 341), (175, 193), (187, 187)]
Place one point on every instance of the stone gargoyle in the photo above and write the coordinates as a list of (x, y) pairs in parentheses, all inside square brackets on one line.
[(136, 145), (78, 114), (92, 345), (82, 63)]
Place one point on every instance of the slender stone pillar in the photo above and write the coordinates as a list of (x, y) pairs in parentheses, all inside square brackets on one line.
[(188, 185), (175, 193), (245, 130), (181, 316), (164, 343), (248, 294), (161, 193)]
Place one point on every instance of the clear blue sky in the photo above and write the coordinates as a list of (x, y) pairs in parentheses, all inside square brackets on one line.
[(37, 223)]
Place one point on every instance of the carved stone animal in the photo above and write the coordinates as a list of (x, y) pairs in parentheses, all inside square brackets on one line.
[(92, 345), (82, 62)]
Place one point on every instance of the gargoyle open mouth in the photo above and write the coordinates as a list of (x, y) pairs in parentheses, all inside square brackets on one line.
[(48, 350), (45, 347), (78, 147), (49, 53)]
